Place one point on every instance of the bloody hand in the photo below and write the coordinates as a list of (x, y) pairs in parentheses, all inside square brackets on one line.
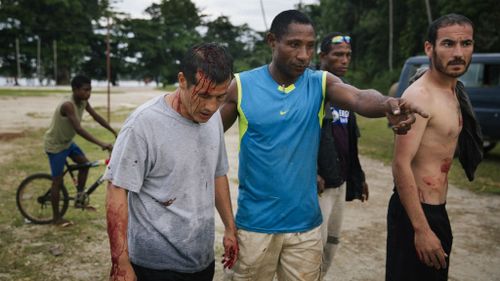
[(231, 250)]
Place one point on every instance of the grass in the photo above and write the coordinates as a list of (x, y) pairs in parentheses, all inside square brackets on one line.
[(169, 88), (377, 142), (30, 92), (43, 92), (117, 116), (25, 248)]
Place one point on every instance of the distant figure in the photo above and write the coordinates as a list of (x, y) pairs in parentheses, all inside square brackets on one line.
[(419, 237), (58, 141), (167, 172), (338, 162), (280, 109)]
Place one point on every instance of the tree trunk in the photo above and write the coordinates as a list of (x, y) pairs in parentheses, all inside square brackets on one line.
[(54, 49), (428, 8), (18, 64), (391, 33)]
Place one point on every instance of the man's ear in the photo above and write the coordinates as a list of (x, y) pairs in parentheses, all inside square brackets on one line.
[(428, 48), (271, 39), (182, 81)]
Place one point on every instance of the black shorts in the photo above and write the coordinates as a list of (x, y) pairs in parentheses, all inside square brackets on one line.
[(148, 274), (402, 262)]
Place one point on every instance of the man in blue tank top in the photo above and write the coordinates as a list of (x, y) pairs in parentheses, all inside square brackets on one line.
[(280, 107)]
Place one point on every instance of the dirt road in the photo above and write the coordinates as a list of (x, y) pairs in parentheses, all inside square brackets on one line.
[(475, 218), (22, 113)]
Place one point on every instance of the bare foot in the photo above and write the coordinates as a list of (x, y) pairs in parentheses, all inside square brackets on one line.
[(89, 208), (62, 222)]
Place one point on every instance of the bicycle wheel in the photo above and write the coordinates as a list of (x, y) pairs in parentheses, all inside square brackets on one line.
[(34, 201)]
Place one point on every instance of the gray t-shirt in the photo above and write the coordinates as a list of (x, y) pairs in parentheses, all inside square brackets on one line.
[(169, 163)]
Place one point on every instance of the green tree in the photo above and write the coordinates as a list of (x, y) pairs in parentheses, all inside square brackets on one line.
[(95, 62), (145, 49), (156, 46), (68, 22), (367, 22), (241, 41), (12, 28), (483, 14), (257, 51), (179, 22)]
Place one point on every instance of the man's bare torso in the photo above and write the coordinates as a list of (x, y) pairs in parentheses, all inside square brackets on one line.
[(434, 156)]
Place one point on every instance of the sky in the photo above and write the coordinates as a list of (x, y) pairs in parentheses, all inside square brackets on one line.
[(238, 11)]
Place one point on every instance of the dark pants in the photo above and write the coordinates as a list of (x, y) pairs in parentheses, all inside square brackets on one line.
[(147, 274), (402, 262)]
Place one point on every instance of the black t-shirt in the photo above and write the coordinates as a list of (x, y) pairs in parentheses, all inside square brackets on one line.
[(341, 136)]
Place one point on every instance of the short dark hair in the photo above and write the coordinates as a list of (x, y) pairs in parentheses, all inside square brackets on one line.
[(279, 26), (444, 21), (210, 58), (326, 43), (78, 81)]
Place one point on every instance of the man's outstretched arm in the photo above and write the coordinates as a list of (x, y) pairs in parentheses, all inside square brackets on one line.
[(371, 103)]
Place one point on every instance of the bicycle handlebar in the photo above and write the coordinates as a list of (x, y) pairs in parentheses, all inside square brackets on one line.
[(102, 162), (96, 163)]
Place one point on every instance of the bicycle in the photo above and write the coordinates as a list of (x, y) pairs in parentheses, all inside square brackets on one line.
[(33, 196)]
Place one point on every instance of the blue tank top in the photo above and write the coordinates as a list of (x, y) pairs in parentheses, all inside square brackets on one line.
[(279, 140)]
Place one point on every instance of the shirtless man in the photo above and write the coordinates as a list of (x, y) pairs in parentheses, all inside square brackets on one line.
[(419, 235)]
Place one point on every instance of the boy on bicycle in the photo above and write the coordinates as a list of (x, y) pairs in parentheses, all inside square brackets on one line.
[(58, 139)]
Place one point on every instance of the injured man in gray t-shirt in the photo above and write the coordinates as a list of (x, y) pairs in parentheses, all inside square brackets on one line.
[(168, 164)]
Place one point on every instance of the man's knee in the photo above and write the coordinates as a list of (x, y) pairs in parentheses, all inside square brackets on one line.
[(57, 181), (302, 256), (80, 159)]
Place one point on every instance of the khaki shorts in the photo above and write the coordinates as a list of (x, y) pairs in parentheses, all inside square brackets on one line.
[(291, 256)]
